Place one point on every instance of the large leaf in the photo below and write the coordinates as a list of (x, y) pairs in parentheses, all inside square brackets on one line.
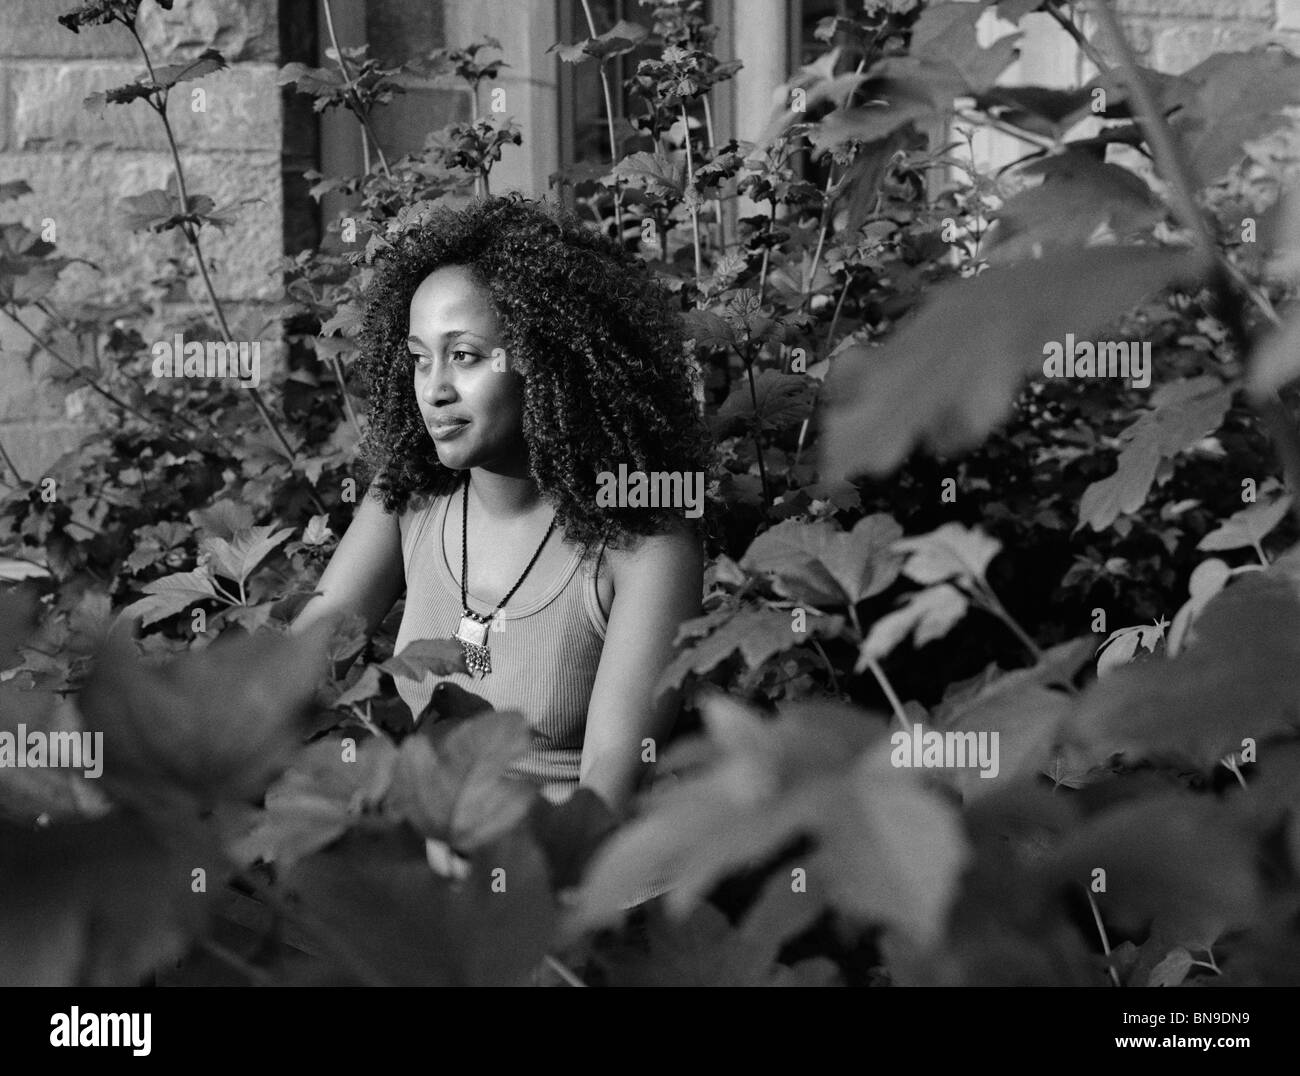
[(210, 725), (757, 632), (776, 402), (239, 556), (887, 850), (464, 795), (926, 615), (950, 374), (384, 918), (1174, 857), (1184, 412), (948, 552), (422, 657), (823, 565), (1239, 678), (1247, 527), (170, 594), (1078, 196)]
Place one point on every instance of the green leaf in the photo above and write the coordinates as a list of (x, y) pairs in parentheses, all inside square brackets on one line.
[(422, 657), (1173, 856), (1234, 98), (1239, 678), (949, 389), (1276, 361), (464, 794), (209, 725), (823, 565), (949, 552), (1173, 969), (653, 172), (925, 614), (170, 594), (1078, 196), (317, 800), (757, 632), (887, 850), (782, 400), (1248, 527), (416, 929), (945, 38), (238, 557), (1183, 413)]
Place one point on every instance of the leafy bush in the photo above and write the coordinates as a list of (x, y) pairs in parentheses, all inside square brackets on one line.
[(916, 540)]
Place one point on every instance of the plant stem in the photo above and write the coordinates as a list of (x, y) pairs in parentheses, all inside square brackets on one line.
[(1173, 166), (989, 600), (830, 668), (555, 965), (358, 111), (4, 455), (609, 126), (12, 313), (695, 211), (758, 442), (1101, 929), (191, 236), (879, 673), (1085, 46)]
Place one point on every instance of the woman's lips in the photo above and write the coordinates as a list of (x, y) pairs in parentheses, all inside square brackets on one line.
[(441, 431)]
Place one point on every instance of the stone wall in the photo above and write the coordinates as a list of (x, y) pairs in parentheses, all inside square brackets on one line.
[(81, 164)]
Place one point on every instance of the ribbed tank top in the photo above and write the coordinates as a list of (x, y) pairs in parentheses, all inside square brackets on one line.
[(544, 658)]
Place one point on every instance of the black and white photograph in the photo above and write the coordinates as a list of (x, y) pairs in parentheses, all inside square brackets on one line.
[(651, 493)]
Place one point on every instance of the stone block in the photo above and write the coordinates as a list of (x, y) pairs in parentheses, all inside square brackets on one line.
[(1179, 48), (238, 29), (81, 190), (241, 109), (1222, 11)]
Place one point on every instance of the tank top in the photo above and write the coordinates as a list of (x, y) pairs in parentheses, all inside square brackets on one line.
[(544, 656)]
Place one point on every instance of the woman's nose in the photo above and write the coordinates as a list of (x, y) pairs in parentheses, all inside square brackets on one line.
[(437, 386)]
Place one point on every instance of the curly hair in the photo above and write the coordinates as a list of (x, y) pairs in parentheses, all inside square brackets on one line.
[(597, 339)]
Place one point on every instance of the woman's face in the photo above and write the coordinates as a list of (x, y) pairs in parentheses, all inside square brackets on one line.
[(472, 407)]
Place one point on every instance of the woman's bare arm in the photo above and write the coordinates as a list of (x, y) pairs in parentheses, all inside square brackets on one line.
[(365, 576), (657, 585)]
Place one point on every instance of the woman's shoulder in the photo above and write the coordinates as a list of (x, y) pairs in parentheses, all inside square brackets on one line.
[(676, 548)]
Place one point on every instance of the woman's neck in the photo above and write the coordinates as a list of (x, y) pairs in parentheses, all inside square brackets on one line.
[(503, 496)]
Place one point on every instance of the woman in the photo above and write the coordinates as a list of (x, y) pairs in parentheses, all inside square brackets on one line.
[(516, 362)]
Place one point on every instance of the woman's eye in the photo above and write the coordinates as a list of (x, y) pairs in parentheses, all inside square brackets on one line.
[(418, 360), (470, 356)]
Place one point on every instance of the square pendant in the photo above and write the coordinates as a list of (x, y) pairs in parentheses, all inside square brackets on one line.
[(471, 631)]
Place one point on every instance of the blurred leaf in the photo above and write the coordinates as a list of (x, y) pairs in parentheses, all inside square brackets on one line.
[(949, 389), (210, 725), (887, 849), (464, 794), (1239, 678), (422, 657)]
